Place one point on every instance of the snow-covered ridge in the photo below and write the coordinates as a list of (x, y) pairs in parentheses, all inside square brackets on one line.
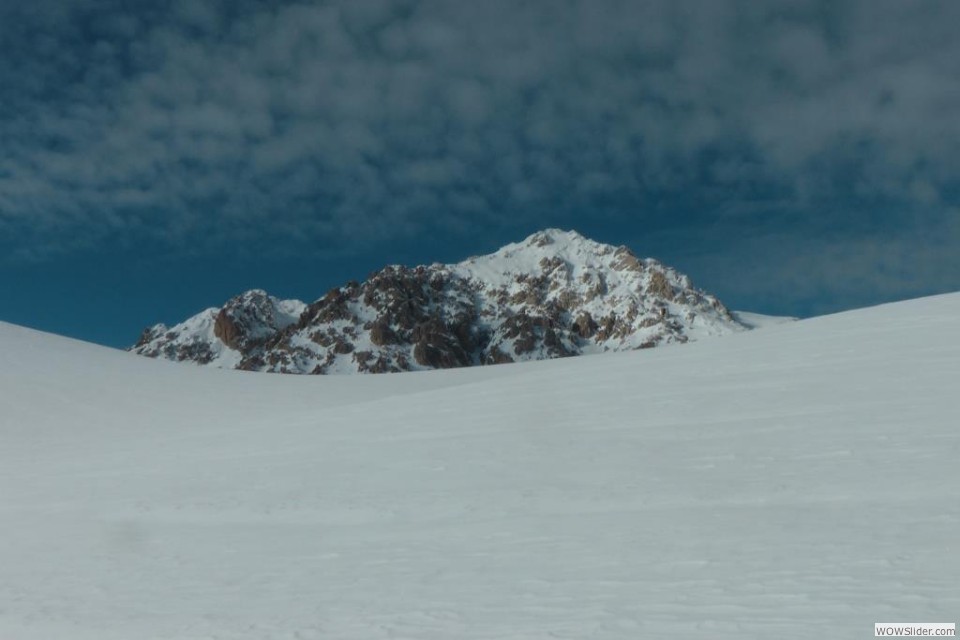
[(219, 335), (555, 294), (759, 320)]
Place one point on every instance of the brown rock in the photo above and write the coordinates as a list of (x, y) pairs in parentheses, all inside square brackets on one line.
[(568, 300), (584, 325), (496, 356), (625, 260), (226, 330), (341, 346), (659, 286), (381, 334)]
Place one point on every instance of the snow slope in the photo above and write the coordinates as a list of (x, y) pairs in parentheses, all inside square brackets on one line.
[(796, 482), (759, 320)]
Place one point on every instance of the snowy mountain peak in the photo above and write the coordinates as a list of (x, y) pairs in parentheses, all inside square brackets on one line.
[(547, 243), (580, 257), (561, 240), (555, 294), (218, 336)]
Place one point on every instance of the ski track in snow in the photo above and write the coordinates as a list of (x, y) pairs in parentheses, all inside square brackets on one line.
[(795, 482)]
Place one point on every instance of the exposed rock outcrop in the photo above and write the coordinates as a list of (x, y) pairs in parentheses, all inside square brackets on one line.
[(556, 294)]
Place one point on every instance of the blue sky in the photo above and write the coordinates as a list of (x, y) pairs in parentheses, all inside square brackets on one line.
[(793, 156)]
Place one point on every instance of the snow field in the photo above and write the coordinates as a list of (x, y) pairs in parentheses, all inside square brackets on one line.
[(794, 482)]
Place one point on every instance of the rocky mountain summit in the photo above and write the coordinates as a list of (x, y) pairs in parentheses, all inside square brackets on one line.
[(555, 294)]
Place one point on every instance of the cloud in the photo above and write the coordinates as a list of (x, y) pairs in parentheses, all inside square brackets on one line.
[(214, 123)]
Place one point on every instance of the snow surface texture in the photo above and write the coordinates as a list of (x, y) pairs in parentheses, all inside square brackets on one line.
[(795, 482), (758, 320), (555, 294)]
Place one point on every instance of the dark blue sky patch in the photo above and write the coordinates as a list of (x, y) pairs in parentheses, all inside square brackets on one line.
[(794, 156)]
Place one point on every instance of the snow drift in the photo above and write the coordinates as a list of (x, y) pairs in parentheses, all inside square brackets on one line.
[(793, 482)]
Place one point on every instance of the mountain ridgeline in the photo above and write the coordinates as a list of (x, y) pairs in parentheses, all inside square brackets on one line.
[(553, 295)]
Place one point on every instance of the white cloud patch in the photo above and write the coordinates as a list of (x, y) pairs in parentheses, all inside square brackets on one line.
[(212, 123)]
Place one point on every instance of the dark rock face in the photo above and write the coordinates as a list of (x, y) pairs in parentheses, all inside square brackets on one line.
[(381, 334), (227, 330), (585, 325), (149, 335), (659, 286), (555, 295)]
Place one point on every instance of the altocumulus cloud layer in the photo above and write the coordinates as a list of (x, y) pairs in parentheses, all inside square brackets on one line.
[(817, 136)]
